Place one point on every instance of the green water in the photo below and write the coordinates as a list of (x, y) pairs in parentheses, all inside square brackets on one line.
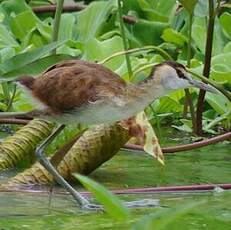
[(212, 164)]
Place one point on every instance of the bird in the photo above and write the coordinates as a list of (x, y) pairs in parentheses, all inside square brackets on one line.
[(78, 91)]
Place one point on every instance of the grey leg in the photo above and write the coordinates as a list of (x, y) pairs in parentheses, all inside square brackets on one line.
[(50, 168), (83, 203)]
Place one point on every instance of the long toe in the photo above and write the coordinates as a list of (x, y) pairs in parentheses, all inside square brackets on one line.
[(92, 207), (142, 203)]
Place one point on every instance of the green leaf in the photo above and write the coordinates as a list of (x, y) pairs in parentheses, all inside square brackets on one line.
[(91, 20), (96, 50), (167, 104), (145, 32), (112, 203), (225, 20), (24, 59), (221, 67), (199, 35), (218, 102), (163, 218), (36, 67), (201, 9), (172, 36), (6, 38), (158, 11), (66, 32), (22, 24), (6, 53), (186, 127), (15, 6), (189, 5)]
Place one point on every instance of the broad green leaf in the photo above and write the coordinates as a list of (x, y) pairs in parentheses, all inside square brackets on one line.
[(145, 32), (227, 47), (96, 50), (33, 39), (91, 20), (201, 8), (15, 6), (6, 53), (157, 10), (189, 5), (186, 127), (225, 116), (163, 218), (221, 67), (23, 23), (199, 31), (6, 38), (113, 205), (24, 59), (225, 20), (172, 36), (36, 67), (67, 26), (166, 104), (218, 102)]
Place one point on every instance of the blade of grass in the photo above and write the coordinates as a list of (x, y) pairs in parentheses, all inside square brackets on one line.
[(113, 205)]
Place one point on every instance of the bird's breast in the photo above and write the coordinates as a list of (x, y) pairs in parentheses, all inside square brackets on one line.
[(97, 114)]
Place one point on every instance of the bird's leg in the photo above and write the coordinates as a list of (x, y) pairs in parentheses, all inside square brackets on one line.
[(84, 203)]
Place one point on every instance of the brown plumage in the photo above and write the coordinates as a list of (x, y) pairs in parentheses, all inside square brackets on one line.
[(73, 84)]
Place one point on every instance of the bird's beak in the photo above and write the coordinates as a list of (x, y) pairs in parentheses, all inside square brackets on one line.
[(202, 85)]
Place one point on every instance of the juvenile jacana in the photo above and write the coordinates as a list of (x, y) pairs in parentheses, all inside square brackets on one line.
[(83, 92)]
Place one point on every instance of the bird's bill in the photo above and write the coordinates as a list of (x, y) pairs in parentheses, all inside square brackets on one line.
[(201, 85)]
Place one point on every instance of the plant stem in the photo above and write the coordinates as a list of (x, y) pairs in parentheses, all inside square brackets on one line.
[(6, 92), (183, 148), (122, 30), (162, 52), (188, 100), (206, 70), (11, 99), (58, 14)]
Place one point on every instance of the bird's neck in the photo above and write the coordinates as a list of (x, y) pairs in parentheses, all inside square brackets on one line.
[(141, 95), (152, 89)]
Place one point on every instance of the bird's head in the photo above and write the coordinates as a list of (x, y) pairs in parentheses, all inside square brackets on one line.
[(173, 75)]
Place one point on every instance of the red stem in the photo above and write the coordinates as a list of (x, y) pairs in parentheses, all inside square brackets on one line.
[(206, 70), (148, 190), (73, 8), (180, 148)]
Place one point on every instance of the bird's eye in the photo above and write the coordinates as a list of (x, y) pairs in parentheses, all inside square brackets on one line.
[(180, 73)]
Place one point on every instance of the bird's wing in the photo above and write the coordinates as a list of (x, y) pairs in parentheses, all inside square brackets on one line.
[(73, 84)]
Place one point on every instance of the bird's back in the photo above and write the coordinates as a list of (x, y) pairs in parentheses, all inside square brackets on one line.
[(73, 84)]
